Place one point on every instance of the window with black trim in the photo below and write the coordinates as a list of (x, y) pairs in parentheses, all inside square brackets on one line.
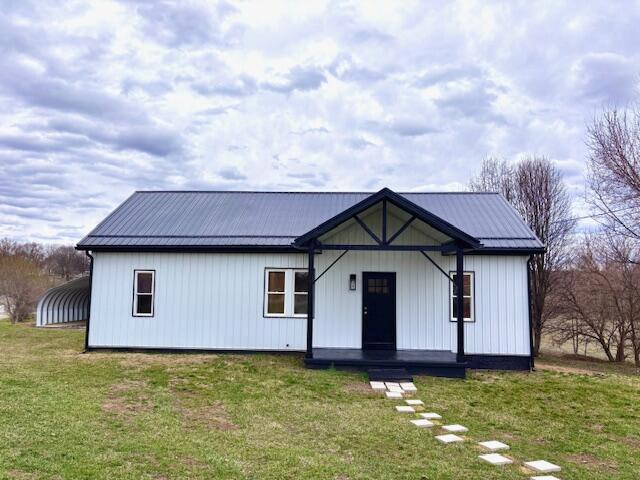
[(468, 297), (286, 292), (143, 292)]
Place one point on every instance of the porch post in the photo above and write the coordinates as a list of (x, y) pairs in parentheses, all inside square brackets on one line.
[(460, 302), (310, 295)]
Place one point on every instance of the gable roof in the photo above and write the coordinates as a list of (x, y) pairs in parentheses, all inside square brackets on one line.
[(400, 202), (202, 220)]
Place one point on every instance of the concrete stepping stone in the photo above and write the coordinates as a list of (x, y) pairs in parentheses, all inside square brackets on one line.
[(423, 423), (414, 402), (455, 428), (392, 384), (449, 438), (393, 395), (395, 389), (405, 409), (495, 459), (494, 445), (542, 466), (544, 477), (408, 387), (378, 385), (431, 416)]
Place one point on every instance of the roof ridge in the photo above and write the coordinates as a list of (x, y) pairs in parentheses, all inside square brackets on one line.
[(323, 192)]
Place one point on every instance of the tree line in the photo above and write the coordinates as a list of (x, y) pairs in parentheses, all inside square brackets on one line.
[(585, 288), (28, 269)]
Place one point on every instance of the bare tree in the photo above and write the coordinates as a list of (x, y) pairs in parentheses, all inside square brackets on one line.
[(66, 262), (614, 169), (21, 283), (534, 186), (496, 175), (600, 299)]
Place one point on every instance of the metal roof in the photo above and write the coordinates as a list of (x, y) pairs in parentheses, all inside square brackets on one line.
[(275, 219)]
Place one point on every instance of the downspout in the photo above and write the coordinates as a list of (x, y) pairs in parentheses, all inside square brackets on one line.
[(86, 337), (531, 360)]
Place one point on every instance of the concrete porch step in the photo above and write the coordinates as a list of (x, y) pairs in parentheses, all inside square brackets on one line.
[(389, 374)]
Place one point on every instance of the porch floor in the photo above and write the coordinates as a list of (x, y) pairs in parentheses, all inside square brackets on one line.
[(431, 362)]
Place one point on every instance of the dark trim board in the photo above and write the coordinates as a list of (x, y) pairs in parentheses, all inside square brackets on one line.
[(190, 351), (499, 362)]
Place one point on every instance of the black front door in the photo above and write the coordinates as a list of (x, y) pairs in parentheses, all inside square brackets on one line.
[(379, 311)]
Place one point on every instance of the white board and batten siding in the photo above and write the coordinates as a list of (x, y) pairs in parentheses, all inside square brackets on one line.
[(202, 301), (216, 300)]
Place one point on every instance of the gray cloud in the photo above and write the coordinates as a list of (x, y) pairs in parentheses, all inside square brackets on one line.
[(185, 23), (607, 78), (298, 78), (448, 73), (231, 173)]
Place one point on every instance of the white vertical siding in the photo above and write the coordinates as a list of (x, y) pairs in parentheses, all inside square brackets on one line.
[(215, 301), (201, 301), (501, 325)]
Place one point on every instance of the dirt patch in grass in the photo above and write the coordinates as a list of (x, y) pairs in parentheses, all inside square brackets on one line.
[(212, 416), (590, 461), (127, 399), (359, 388), (20, 475)]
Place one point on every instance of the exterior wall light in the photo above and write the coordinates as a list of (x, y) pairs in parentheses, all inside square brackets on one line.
[(352, 281)]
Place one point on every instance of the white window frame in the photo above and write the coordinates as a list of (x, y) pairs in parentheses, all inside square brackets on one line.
[(267, 292), (289, 293), (136, 293), (471, 297)]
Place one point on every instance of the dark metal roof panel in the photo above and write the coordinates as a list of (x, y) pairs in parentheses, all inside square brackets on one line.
[(176, 218)]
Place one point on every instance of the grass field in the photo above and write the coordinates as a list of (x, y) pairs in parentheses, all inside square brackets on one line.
[(64, 414)]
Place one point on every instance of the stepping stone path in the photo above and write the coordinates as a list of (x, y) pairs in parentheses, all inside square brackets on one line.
[(494, 445), (542, 466), (423, 423), (449, 438), (455, 428), (395, 391), (431, 416), (495, 459), (405, 409), (393, 395)]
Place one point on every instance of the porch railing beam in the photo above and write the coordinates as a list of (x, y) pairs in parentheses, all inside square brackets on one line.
[(460, 302), (367, 229), (332, 264), (437, 266), (406, 248), (401, 229)]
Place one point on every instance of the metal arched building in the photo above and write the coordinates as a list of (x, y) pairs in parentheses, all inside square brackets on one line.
[(68, 302)]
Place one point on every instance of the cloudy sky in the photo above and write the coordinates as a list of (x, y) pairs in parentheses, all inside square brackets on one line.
[(99, 100)]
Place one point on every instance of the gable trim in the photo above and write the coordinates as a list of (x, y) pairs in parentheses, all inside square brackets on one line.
[(402, 203)]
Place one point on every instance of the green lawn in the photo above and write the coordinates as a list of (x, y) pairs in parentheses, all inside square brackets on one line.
[(64, 414)]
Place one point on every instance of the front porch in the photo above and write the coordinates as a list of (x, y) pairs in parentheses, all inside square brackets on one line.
[(378, 320), (440, 363)]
